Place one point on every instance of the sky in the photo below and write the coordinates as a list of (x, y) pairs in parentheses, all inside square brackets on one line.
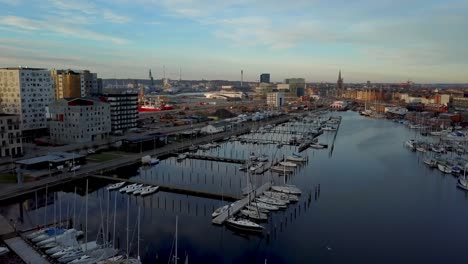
[(424, 41)]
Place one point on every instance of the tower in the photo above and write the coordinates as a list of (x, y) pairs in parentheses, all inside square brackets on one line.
[(242, 78), (340, 81), (151, 78)]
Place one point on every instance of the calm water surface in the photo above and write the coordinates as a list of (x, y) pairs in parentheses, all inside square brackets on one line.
[(378, 204)]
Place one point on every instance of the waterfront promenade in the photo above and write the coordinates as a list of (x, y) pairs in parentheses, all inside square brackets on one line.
[(11, 192)]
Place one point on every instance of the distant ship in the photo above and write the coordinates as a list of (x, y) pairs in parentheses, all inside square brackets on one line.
[(154, 108)]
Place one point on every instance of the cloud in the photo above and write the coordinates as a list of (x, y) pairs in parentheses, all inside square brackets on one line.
[(82, 5), (62, 29), (114, 18), (154, 23)]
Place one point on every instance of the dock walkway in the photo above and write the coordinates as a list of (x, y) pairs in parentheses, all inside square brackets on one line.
[(214, 158), (24, 251), (237, 206), (173, 189)]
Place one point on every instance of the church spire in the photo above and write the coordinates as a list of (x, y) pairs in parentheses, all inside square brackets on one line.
[(340, 81)]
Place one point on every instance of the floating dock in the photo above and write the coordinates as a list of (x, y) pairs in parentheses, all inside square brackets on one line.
[(213, 158), (173, 189), (237, 206), (24, 251)]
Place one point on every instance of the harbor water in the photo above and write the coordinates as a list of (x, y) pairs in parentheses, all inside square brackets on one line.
[(366, 199)]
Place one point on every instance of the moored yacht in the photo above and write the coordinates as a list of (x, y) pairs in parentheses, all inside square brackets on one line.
[(244, 224)]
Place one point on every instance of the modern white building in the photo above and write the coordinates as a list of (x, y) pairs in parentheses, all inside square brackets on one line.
[(26, 92), (79, 120), (275, 99), (10, 136)]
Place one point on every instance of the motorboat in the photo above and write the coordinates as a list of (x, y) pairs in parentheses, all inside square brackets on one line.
[(288, 164), (220, 210), (149, 190), (244, 224), (181, 157), (286, 189), (265, 206), (254, 215), (274, 202), (115, 186), (71, 256)]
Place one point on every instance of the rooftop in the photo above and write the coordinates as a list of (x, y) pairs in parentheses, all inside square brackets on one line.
[(51, 157)]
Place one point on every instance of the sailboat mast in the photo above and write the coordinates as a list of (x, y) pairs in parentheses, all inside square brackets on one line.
[(74, 209), (138, 247), (45, 211), (115, 213), (128, 206), (86, 218), (107, 219), (176, 230)]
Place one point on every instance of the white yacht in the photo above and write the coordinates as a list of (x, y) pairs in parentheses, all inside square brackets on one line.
[(243, 224), (254, 215), (265, 206), (220, 210), (288, 164), (286, 189), (149, 190), (280, 204), (115, 186)]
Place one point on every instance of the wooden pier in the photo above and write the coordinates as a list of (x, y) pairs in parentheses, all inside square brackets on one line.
[(213, 158), (173, 189), (25, 251), (237, 206)]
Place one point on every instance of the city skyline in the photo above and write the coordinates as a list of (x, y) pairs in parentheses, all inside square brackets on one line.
[(388, 41)]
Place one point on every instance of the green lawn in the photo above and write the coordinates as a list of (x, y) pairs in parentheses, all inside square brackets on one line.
[(9, 178), (101, 157)]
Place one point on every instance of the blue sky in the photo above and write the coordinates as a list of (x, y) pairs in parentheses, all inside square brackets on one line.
[(376, 40)]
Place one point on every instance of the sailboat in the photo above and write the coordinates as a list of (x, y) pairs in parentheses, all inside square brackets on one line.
[(462, 181)]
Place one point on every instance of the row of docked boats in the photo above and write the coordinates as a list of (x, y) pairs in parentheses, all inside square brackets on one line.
[(258, 210), (135, 188), (63, 246), (457, 166)]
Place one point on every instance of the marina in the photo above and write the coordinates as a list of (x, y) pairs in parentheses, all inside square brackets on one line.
[(333, 188)]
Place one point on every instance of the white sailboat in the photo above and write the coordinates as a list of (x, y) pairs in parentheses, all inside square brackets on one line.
[(462, 181)]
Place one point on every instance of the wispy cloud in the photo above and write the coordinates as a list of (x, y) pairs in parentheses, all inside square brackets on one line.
[(68, 30), (11, 2), (154, 23), (115, 18)]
